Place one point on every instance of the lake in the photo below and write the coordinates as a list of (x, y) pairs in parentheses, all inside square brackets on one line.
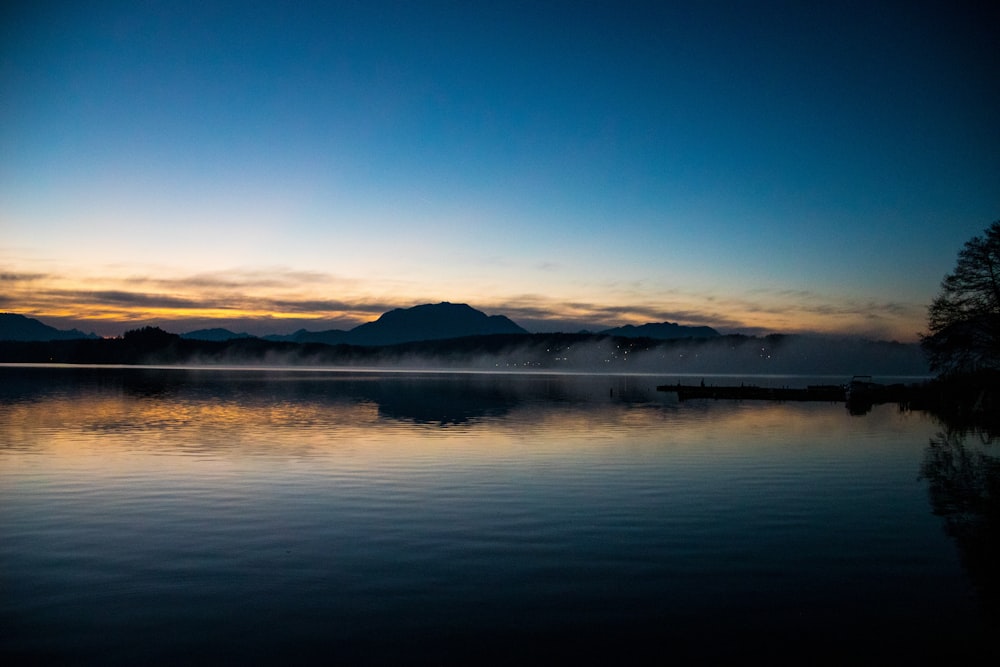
[(185, 516)]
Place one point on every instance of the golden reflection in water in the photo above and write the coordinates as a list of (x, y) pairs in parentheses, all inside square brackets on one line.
[(316, 499), (88, 424), (107, 424)]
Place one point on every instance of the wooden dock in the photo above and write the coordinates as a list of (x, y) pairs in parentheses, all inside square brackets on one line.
[(859, 396)]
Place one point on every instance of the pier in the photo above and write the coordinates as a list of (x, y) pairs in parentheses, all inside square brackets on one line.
[(860, 394)]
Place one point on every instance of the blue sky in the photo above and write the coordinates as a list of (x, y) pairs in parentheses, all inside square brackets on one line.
[(753, 166)]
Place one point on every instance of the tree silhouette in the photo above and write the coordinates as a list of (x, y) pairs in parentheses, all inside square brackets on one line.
[(964, 319), (150, 337)]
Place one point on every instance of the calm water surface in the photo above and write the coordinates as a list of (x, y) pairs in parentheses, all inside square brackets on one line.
[(206, 516)]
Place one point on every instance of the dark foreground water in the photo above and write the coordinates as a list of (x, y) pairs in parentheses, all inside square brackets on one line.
[(210, 516)]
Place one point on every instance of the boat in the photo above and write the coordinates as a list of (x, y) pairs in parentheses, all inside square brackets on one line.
[(860, 394)]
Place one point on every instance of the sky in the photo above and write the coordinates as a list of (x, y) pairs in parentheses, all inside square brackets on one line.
[(753, 166)]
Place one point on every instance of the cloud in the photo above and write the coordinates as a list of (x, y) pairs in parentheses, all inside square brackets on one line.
[(540, 313), (240, 279), (277, 295), (224, 284), (96, 299), (328, 306), (141, 299), (272, 298), (752, 312), (548, 266), (22, 277)]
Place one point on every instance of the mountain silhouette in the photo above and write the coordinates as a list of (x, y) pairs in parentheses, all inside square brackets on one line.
[(214, 334), (21, 328), (661, 331), (328, 337), (427, 322), (430, 321)]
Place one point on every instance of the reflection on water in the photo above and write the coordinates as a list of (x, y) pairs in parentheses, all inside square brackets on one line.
[(963, 474), (195, 515)]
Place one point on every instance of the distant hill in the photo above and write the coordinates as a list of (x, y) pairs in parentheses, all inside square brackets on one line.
[(430, 322), (328, 337), (661, 331), (216, 334), (404, 325), (21, 328)]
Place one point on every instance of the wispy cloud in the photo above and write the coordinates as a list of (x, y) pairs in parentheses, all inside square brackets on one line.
[(244, 292), (244, 279), (303, 306), (752, 312), (547, 313), (807, 301), (271, 295), (22, 277)]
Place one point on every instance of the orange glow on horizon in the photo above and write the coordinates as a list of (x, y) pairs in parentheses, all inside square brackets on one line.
[(171, 318), (271, 302)]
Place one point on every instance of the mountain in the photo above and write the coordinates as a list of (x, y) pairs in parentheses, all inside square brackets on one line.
[(328, 337), (216, 334), (662, 331), (19, 327), (430, 322)]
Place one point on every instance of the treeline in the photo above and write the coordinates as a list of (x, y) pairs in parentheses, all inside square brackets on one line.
[(153, 346), (734, 354)]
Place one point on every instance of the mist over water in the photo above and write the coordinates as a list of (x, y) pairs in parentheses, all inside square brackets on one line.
[(178, 515), (729, 355)]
